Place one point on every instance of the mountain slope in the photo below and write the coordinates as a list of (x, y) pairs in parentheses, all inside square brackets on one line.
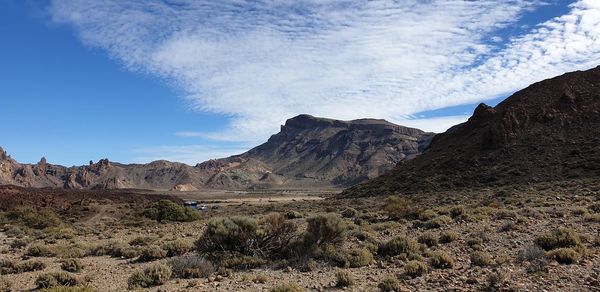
[(307, 152), (548, 131)]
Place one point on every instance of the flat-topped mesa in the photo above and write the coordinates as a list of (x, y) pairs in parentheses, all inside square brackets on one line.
[(308, 122)]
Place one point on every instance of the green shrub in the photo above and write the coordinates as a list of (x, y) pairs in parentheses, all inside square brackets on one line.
[(72, 265), (399, 245), (114, 249), (247, 236), (481, 259), (290, 287), (415, 268), (152, 276), (191, 267), (349, 213), (50, 280), (428, 215), (401, 208), (565, 255), (38, 250), (457, 211), (165, 210), (343, 279), (325, 229), (30, 266), (359, 258), (152, 253), (428, 239), (442, 260), (389, 284), (178, 247), (448, 236), (142, 241), (558, 238), (36, 219), (438, 222)]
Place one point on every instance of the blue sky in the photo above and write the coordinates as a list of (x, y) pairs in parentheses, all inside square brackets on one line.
[(193, 80)]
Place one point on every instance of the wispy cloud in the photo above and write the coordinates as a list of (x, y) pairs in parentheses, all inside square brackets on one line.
[(189, 154), (261, 62)]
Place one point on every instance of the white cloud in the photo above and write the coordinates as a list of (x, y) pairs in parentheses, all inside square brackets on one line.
[(261, 62), (189, 154)]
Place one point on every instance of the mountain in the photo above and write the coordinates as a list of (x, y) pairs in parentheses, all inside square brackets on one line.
[(545, 132), (307, 152)]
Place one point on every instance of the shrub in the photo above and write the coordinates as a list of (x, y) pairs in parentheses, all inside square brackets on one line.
[(247, 236), (564, 255), (262, 278), (481, 259), (438, 222), (165, 210), (343, 279), (349, 213), (448, 236), (152, 253), (558, 238), (237, 261), (400, 208), (293, 215), (5, 285), (142, 241), (389, 284), (428, 215), (325, 229), (359, 258), (50, 280), (442, 260), (457, 211), (178, 247), (78, 288), (38, 250), (72, 265), (399, 245), (35, 219), (290, 287), (428, 239), (18, 244), (507, 226), (31, 266), (152, 276), (8, 267), (415, 268), (595, 218), (191, 267), (535, 256), (114, 249)]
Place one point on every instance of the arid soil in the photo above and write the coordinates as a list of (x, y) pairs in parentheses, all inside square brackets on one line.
[(496, 224)]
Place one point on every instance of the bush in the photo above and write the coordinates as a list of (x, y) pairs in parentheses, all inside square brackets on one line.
[(558, 238), (442, 260), (400, 208), (594, 218), (438, 222), (247, 236), (481, 259), (293, 215), (114, 249), (31, 266), (165, 210), (325, 229), (428, 239), (415, 268), (178, 247), (349, 213), (359, 258), (152, 253), (191, 267), (262, 278), (38, 250), (142, 241), (565, 255), (535, 256), (428, 215), (389, 284), (72, 265), (457, 211), (35, 219), (50, 280), (448, 236), (399, 245), (78, 288), (152, 276), (343, 279), (287, 288), (18, 244)]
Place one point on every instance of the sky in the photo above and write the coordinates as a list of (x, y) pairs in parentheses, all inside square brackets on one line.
[(190, 80)]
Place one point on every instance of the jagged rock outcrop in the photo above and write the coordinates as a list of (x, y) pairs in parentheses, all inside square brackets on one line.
[(546, 132)]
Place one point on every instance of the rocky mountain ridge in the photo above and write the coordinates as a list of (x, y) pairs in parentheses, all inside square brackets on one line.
[(549, 131), (307, 152)]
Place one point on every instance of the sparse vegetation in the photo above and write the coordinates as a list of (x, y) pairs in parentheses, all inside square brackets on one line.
[(165, 210), (428, 239), (558, 238), (389, 284), (50, 280), (178, 247), (344, 279), (482, 259), (72, 265), (152, 276), (290, 287), (448, 236), (190, 267), (415, 268), (564, 255), (442, 260), (152, 253), (399, 245)]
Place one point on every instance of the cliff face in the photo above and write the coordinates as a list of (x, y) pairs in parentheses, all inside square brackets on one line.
[(307, 152), (547, 131)]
